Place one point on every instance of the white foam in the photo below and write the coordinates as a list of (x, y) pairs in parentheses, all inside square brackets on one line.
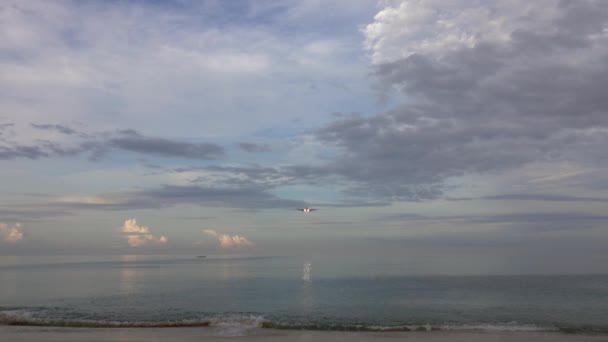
[(236, 326), (513, 326)]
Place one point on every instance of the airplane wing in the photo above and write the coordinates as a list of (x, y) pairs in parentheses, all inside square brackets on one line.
[(300, 209)]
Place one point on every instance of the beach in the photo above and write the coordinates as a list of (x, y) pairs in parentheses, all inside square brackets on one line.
[(56, 334)]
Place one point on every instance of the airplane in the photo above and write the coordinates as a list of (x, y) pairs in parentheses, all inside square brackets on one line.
[(307, 210)]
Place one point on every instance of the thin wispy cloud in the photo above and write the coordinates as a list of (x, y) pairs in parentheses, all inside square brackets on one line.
[(533, 197), (55, 127), (243, 197)]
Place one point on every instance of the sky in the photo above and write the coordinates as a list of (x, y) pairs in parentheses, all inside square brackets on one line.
[(461, 128)]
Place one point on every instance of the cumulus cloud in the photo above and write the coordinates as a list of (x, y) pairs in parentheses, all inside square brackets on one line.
[(12, 233), (228, 241), (137, 235), (482, 88), (131, 226)]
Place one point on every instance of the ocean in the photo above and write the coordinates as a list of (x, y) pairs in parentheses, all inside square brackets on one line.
[(238, 293)]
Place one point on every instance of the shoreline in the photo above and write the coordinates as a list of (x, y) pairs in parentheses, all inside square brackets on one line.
[(68, 334)]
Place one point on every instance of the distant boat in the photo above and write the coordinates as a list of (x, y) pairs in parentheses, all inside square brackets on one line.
[(307, 210), (201, 256)]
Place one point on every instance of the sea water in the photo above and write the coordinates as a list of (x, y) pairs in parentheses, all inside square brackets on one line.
[(289, 293)]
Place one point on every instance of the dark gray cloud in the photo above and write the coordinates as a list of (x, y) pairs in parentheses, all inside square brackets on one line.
[(492, 107), (22, 151), (59, 128), (98, 145), (131, 140), (48, 149), (251, 147)]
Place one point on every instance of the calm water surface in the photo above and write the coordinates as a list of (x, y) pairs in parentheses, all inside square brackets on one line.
[(286, 292)]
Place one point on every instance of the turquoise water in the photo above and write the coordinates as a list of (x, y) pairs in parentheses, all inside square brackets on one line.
[(281, 292)]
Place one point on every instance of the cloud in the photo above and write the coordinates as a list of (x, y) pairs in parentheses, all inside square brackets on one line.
[(72, 62), (432, 27), (251, 147), (240, 197), (59, 128), (132, 141), (543, 197), (522, 222), (6, 126), (22, 151), (99, 144), (246, 197), (480, 89), (25, 212), (131, 226), (210, 232), (12, 233), (137, 235), (229, 241), (141, 240)]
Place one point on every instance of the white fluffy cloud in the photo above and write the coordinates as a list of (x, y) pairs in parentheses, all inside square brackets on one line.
[(12, 233), (228, 241), (137, 235), (435, 26)]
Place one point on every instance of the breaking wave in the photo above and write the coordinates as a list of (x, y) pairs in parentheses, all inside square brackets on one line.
[(240, 324), (25, 318)]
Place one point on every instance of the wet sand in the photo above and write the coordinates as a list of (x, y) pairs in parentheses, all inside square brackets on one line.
[(56, 334)]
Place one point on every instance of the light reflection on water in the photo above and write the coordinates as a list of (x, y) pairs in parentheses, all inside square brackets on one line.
[(231, 269), (307, 300), (130, 276)]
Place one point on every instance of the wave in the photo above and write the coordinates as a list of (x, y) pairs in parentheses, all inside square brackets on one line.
[(25, 318), (242, 323), (409, 327)]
